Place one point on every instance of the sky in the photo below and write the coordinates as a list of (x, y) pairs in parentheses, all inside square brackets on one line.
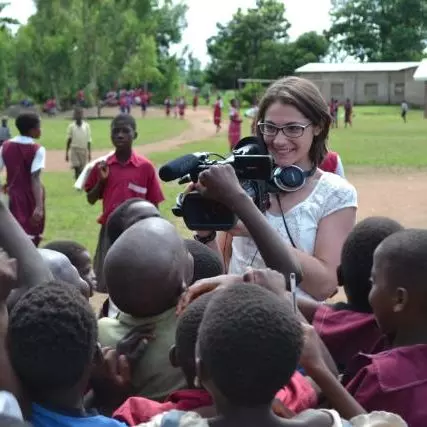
[(202, 16)]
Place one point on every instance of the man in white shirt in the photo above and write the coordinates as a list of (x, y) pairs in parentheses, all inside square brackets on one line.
[(78, 143)]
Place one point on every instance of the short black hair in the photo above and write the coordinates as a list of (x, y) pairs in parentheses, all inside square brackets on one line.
[(404, 254), (26, 122), (118, 221), (72, 250), (207, 263), (6, 421), (145, 268), (52, 338), (357, 256), (250, 342), (126, 119), (186, 334)]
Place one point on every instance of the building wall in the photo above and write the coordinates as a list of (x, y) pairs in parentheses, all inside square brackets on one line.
[(370, 87)]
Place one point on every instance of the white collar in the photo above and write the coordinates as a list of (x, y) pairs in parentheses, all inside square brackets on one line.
[(22, 139)]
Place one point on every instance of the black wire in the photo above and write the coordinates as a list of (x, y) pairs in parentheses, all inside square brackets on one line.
[(217, 155), (284, 222)]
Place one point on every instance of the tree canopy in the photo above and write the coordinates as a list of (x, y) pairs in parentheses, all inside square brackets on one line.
[(94, 45), (380, 30), (255, 44)]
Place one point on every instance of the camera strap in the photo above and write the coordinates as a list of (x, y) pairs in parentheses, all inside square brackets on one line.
[(284, 222)]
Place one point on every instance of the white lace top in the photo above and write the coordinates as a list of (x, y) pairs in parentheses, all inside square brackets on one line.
[(330, 194)]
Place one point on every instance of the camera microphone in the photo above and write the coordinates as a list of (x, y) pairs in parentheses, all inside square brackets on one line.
[(181, 166)]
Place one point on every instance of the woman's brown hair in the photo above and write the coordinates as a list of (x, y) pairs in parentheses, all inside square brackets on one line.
[(306, 98)]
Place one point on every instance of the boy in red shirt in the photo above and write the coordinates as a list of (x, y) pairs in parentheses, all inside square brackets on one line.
[(24, 161), (122, 176)]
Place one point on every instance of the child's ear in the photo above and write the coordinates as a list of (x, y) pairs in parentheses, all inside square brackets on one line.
[(172, 357), (339, 276), (400, 300), (135, 135)]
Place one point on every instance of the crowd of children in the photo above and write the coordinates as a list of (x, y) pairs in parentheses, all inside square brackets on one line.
[(178, 341)]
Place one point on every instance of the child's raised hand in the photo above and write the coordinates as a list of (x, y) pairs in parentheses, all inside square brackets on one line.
[(204, 286), (220, 183), (103, 170), (312, 355), (267, 278)]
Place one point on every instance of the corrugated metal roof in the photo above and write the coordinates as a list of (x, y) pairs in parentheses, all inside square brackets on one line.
[(361, 67), (421, 72)]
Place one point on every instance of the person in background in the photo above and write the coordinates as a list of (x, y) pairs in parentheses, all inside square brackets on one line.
[(337, 111), (218, 113), (234, 129), (78, 142), (348, 113), (4, 131), (144, 103), (332, 163), (181, 107), (195, 101), (24, 160), (168, 104), (404, 110)]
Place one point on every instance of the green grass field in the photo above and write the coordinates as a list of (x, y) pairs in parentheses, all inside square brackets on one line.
[(150, 129), (378, 138)]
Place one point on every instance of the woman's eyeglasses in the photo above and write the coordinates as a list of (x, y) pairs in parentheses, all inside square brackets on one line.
[(294, 130)]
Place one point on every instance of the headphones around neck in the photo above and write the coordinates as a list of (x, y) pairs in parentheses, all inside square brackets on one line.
[(290, 178)]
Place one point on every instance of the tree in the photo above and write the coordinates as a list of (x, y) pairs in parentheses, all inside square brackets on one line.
[(195, 76), (256, 45), (236, 50), (380, 30), (4, 20)]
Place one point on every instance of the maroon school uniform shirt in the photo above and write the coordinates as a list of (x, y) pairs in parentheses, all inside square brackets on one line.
[(135, 178), (393, 380), (346, 333), (22, 157), (297, 396)]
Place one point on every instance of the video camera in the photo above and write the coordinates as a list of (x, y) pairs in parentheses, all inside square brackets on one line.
[(253, 167)]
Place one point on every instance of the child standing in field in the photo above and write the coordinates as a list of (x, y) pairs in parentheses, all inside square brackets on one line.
[(404, 110), (123, 175), (234, 129), (24, 161), (218, 113), (168, 105), (78, 142), (181, 107), (348, 113), (4, 131)]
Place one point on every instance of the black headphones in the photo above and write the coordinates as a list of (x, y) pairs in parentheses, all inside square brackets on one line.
[(290, 178)]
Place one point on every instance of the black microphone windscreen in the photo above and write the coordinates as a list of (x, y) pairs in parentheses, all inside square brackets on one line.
[(179, 167)]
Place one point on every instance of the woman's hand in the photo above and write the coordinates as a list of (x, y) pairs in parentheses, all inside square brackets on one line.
[(204, 286)]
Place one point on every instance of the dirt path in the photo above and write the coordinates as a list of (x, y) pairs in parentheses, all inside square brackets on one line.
[(201, 127)]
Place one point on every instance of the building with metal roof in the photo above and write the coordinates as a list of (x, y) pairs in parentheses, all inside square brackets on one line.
[(368, 83)]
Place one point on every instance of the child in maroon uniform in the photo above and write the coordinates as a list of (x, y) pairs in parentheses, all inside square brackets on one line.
[(395, 378), (217, 114), (349, 328), (122, 176), (24, 161)]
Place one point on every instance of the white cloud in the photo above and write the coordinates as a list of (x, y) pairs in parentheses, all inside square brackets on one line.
[(203, 15)]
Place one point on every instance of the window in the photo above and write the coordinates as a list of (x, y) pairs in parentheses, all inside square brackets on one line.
[(399, 89), (337, 90), (371, 90)]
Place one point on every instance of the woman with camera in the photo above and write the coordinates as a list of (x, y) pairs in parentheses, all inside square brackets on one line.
[(312, 211)]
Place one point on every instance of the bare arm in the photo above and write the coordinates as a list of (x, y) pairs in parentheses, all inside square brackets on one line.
[(320, 278), (37, 189), (96, 193), (67, 148)]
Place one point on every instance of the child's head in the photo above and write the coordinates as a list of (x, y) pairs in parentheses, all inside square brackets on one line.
[(127, 214), (206, 261), (79, 257), (233, 103), (357, 254), (123, 132), (78, 114), (4, 121), (182, 354), (249, 345), (146, 268), (28, 124), (64, 271), (399, 282), (52, 340)]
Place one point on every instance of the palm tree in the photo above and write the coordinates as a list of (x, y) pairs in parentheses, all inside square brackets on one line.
[(4, 20)]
